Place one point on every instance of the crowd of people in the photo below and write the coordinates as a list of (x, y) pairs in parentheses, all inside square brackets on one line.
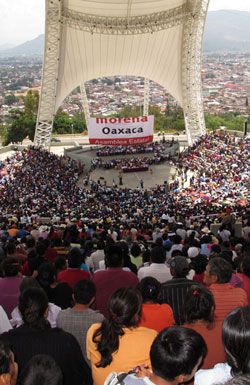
[(118, 286), (129, 163), (154, 147)]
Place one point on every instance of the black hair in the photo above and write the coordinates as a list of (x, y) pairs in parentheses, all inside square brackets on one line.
[(41, 249), (30, 242), (239, 380), (158, 254), (221, 268), (150, 289), (124, 310), (75, 258), (10, 267), (199, 304), (5, 357), (28, 282), (42, 369), (176, 351), (135, 249), (60, 262), (84, 291), (246, 266), (113, 256), (33, 304), (236, 339), (46, 274)]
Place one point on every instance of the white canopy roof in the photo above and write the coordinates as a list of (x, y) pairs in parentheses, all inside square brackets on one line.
[(85, 55)]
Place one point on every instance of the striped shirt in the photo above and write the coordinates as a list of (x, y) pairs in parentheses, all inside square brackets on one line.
[(227, 298), (174, 292)]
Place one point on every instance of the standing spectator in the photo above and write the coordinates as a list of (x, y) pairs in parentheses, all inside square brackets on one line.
[(77, 320), (217, 276), (114, 277)]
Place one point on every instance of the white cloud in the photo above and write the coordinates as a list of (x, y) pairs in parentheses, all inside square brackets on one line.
[(21, 20), (242, 5)]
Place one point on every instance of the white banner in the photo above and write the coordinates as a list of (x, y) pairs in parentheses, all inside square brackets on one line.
[(121, 131)]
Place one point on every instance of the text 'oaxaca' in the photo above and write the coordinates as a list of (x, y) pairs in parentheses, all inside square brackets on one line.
[(121, 131)]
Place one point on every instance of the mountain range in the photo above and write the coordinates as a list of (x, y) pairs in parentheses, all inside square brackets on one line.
[(225, 31)]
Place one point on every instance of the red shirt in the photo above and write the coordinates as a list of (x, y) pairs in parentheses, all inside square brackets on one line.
[(212, 337), (227, 298), (108, 281), (156, 316), (72, 276), (246, 284)]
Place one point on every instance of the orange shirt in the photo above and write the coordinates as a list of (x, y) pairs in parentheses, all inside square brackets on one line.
[(227, 298), (212, 337), (134, 347), (156, 316), (246, 284)]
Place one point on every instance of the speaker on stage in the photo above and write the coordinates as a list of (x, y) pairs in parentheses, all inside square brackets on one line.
[(245, 128)]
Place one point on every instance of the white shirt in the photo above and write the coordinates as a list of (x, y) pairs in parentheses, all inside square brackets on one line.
[(5, 325), (219, 374), (53, 311), (159, 271)]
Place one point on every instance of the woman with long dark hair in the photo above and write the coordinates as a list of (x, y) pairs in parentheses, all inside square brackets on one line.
[(118, 343)]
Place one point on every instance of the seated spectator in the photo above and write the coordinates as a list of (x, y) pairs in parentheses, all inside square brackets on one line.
[(245, 276), (199, 264), (118, 343), (199, 315), (136, 256), (217, 276), (59, 293), (77, 320), (175, 356), (236, 340), (74, 273), (154, 316), (173, 292), (5, 324), (8, 366), (114, 277), (36, 336), (97, 256), (158, 268), (9, 285), (40, 370), (53, 310)]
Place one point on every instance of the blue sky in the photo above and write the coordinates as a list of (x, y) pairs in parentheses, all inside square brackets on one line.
[(23, 20)]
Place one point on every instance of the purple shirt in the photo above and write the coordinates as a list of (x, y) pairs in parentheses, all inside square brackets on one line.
[(9, 293), (110, 280)]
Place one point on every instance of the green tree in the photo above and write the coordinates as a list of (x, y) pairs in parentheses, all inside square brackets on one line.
[(10, 99), (23, 123)]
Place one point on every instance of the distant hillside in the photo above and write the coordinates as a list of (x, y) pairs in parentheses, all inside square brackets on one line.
[(29, 48), (4, 47), (225, 31)]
